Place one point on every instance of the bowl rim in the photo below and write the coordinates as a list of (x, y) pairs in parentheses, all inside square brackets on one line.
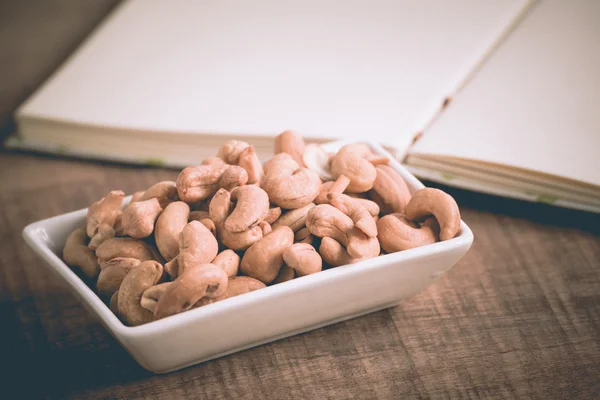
[(35, 236)]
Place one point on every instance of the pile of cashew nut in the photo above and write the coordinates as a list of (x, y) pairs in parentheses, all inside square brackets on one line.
[(232, 225)]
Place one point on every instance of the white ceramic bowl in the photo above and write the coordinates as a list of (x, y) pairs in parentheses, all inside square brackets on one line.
[(265, 315)]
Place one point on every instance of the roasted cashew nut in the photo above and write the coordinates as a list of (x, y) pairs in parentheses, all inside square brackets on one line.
[(168, 227), (231, 151), (138, 218), (113, 303), (338, 187), (359, 245), (285, 274), (264, 258), (239, 153), (146, 275), (352, 161), (165, 192), (335, 254), (193, 284), (291, 143), (325, 220), (288, 185), (151, 295), (199, 182), (390, 190), (362, 219), (324, 190), (197, 245), (101, 218), (295, 219), (219, 209), (236, 286), (441, 205), (252, 205), (112, 273), (233, 177), (127, 248), (303, 258), (397, 233), (76, 253), (229, 261), (272, 215), (250, 162)]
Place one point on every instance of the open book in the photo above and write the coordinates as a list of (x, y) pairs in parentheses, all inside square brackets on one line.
[(500, 94)]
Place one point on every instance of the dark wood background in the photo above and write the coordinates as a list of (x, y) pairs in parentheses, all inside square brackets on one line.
[(518, 317)]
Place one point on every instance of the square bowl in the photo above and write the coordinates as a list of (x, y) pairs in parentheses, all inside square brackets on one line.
[(265, 315)]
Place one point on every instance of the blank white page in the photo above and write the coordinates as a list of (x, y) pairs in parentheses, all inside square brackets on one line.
[(328, 69), (535, 104)]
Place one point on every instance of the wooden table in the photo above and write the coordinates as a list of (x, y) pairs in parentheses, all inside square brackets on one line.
[(518, 317)]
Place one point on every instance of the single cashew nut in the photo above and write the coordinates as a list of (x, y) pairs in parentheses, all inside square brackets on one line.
[(165, 192), (168, 227), (397, 233), (390, 190), (199, 182), (264, 258), (194, 283), (101, 218), (231, 151), (233, 177), (322, 196), (207, 222), (138, 218), (151, 295), (288, 185), (252, 205), (229, 261), (278, 163), (250, 162), (76, 253), (126, 248), (291, 143), (139, 279), (295, 219), (441, 205), (369, 205), (236, 286), (362, 219), (352, 162), (303, 258), (285, 274), (112, 273), (197, 245), (335, 254), (113, 303), (272, 215), (325, 220), (219, 209), (359, 245)]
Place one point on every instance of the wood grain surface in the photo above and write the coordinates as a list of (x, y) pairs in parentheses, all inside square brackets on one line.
[(518, 317)]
